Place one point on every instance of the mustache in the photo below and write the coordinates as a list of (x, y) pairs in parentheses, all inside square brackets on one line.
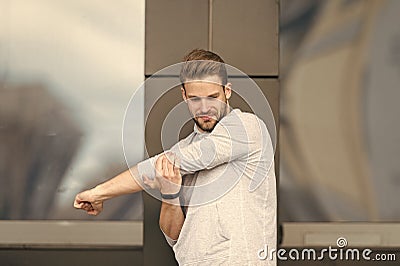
[(206, 114)]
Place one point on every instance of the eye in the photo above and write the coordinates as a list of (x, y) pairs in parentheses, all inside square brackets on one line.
[(214, 98), (194, 99)]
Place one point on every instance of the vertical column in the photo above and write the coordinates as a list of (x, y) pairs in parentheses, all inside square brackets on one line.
[(173, 28), (244, 33)]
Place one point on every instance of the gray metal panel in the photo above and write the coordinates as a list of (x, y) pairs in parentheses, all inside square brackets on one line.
[(270, 88), (173, 28), (156, 250), (154, 240), (156, 110), (67, 257), (245, 34), (158, 103), (71, 234)]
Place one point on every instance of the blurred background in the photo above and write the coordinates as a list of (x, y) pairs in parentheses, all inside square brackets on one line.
[(67, 72), (340, 135)]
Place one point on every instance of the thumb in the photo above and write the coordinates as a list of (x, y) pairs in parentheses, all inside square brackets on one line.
[(149, 182), (146, 180), (78, 204)]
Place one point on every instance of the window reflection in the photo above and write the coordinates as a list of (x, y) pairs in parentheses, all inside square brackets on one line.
[(67, 71)]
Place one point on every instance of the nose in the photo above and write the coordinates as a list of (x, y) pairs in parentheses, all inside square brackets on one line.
[(205, 106)]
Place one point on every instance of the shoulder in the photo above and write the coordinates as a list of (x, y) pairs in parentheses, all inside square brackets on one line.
[(245, 115), (187, 140), (248, 120), (240, 124)]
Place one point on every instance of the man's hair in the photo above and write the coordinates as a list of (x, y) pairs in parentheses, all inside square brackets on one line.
[(200, 63)]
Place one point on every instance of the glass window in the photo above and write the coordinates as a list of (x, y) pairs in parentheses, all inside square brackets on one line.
[(67, 72)]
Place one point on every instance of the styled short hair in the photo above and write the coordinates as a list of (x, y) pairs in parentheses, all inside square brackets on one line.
[(200, 63)]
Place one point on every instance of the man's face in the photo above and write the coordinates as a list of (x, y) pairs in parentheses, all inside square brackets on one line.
[(207, 102)]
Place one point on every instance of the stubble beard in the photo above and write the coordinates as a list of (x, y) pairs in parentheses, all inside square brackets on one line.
[(210, 125)]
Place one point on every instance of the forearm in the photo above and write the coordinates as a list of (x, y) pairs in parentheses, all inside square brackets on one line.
[(171, 218), (121, 184)]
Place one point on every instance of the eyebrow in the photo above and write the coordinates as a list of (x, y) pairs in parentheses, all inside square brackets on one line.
[(211, 95)]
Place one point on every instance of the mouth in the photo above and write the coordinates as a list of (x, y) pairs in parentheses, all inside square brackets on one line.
[(206, 118)]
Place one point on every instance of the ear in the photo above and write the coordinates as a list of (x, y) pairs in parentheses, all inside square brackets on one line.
[(228, 90), (183, 93)]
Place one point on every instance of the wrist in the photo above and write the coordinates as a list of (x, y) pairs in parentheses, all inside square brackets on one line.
[(99, 193), (170, 189), (171, 202), (169, 196)]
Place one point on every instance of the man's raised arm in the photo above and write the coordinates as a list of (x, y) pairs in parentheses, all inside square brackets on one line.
[(231, 139), (92, 200)]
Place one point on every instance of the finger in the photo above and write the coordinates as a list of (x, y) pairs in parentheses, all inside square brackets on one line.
[(170, 168), (177, 176), (165, 167), (177, 171), (78, 205), (146, 180), (173, 159), (92, 209), (93, 212), (159, 164), (170, 156), (87, 207), (78, 202), (177, 161), (150, 182), (95, 209)]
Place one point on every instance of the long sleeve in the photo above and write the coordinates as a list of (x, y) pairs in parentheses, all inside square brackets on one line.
[(227, 142)]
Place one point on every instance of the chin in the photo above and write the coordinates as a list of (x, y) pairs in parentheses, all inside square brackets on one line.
[(208, 126)]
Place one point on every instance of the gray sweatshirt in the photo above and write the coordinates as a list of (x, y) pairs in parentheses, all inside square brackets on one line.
[(232, 206)]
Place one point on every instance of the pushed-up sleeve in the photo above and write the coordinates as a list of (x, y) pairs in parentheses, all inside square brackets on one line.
[(228, 141)]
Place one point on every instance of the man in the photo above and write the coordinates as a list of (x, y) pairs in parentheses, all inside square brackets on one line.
[(219, 217)]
